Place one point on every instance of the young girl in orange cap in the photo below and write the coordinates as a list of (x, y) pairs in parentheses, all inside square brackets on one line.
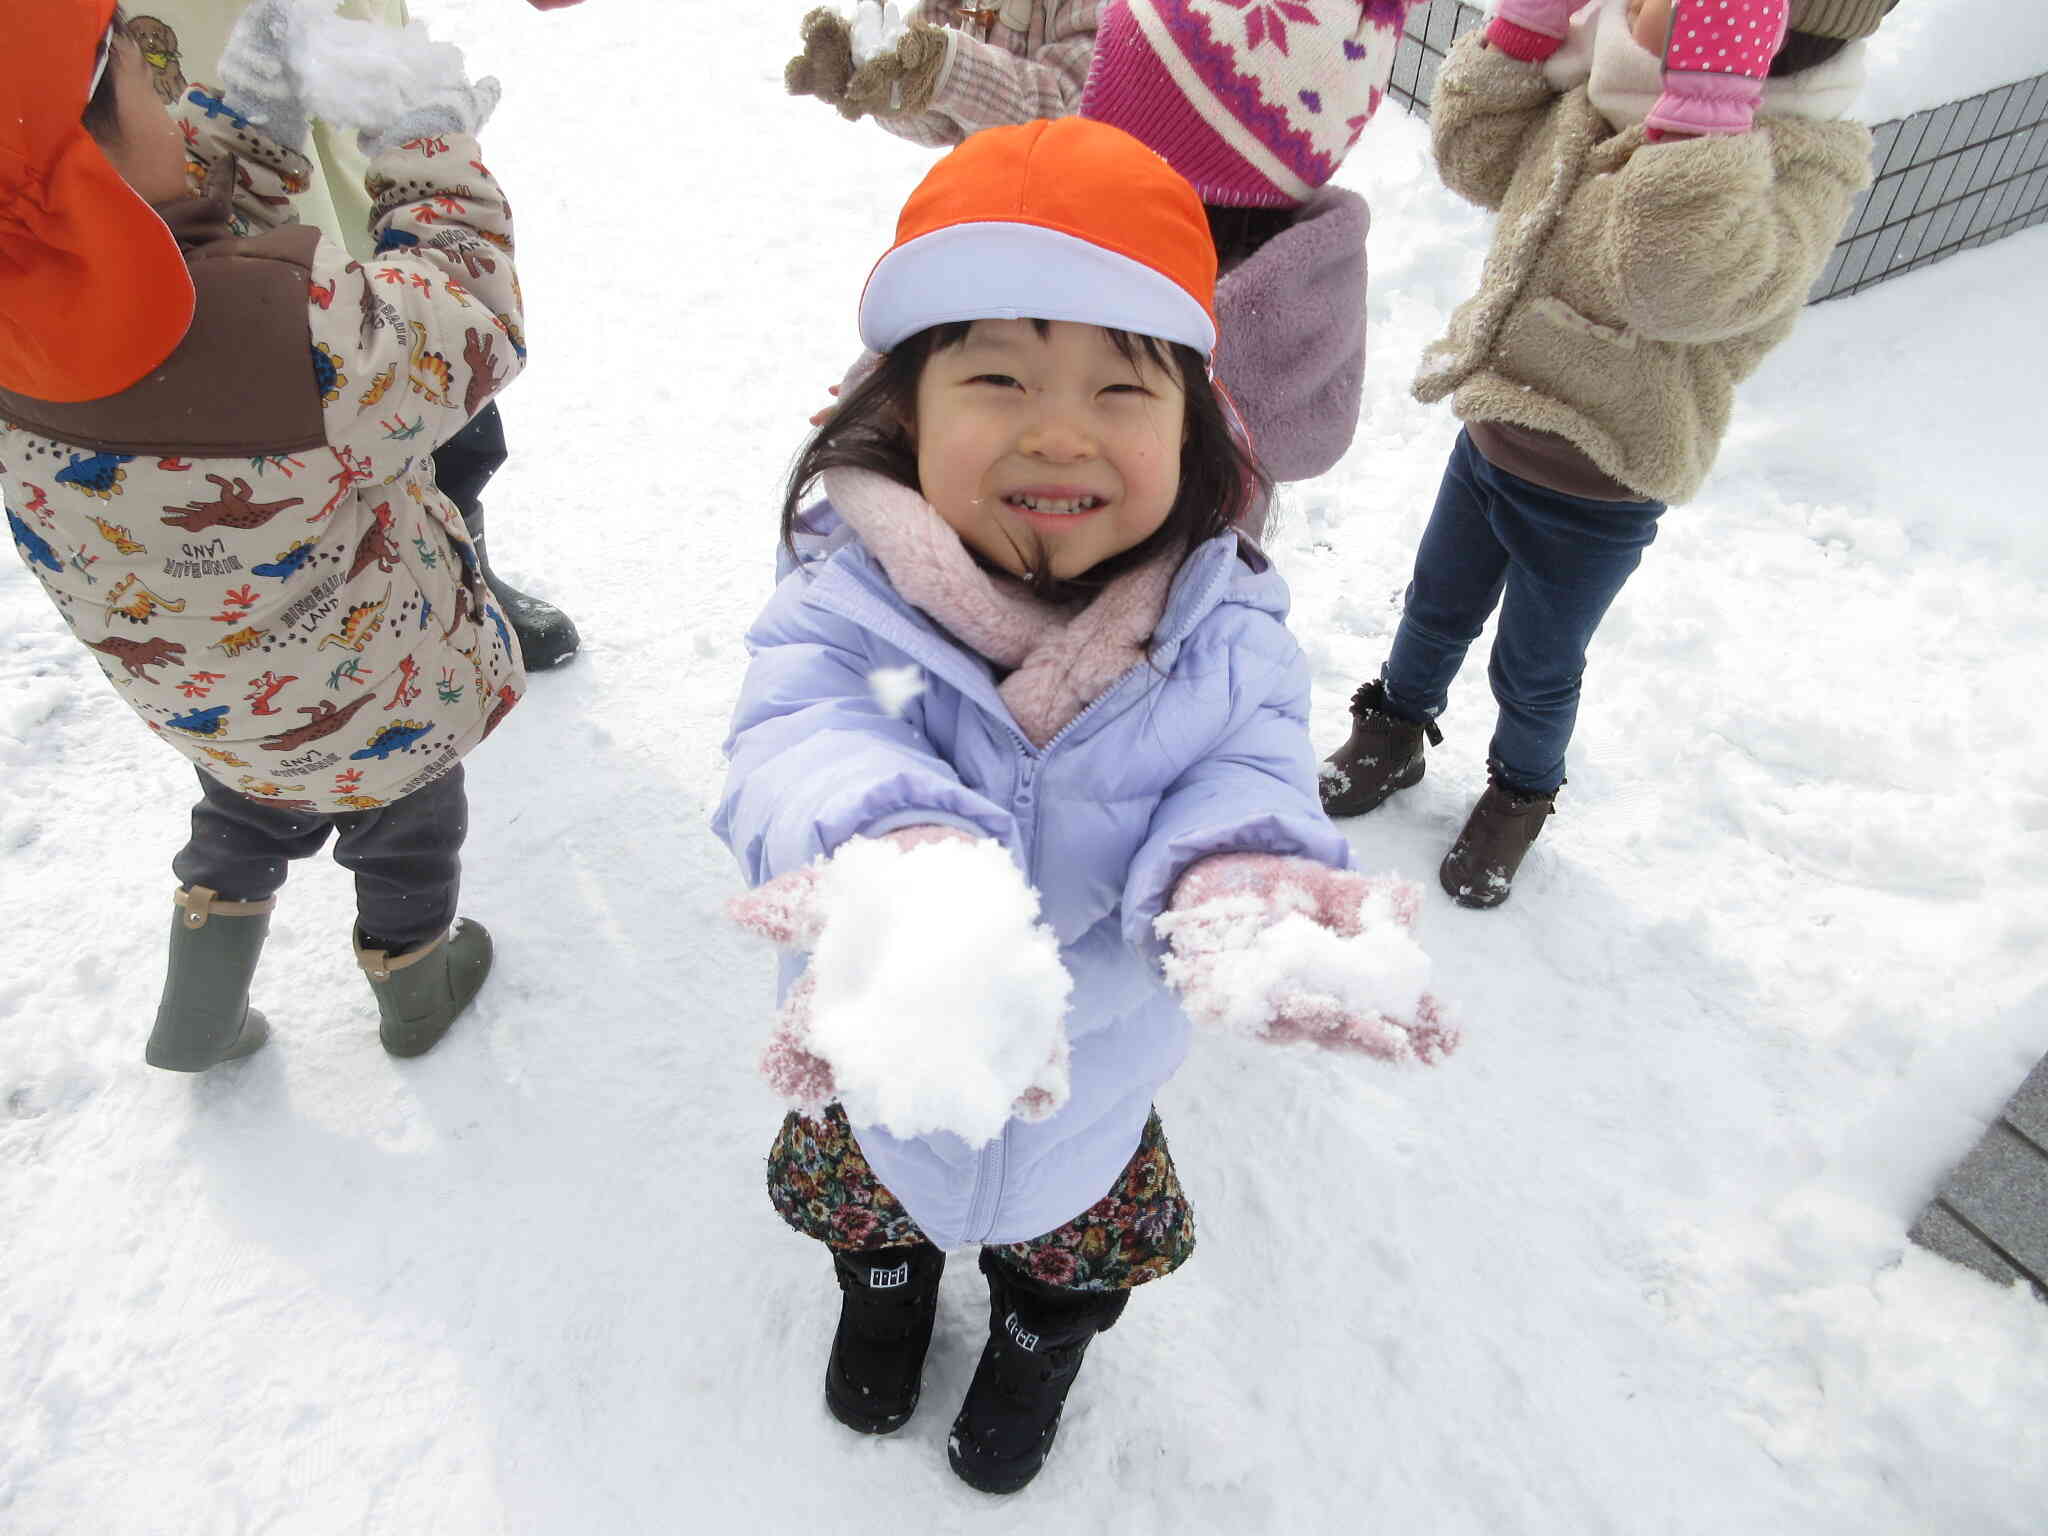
[(1256, 106), (1037, 487), (214, 429)]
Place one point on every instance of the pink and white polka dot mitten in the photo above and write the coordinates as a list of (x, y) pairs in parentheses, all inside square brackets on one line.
[(1715, 62)]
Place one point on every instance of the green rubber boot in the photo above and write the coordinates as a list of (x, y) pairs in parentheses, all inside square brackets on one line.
[(205, 1017), (421, 992)]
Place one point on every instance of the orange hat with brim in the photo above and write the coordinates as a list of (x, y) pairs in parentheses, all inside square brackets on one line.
[(1061, 220), (93, 290)]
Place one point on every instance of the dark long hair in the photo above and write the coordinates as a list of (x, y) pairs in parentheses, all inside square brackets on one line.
[(870, 429), (1804, 50), (100, 118), (1238, 232)]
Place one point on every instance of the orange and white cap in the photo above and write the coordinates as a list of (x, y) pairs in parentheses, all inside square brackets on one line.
[(94, 292), (1051, 220)]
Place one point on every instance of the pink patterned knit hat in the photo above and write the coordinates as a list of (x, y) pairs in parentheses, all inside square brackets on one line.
[(1256, 102)]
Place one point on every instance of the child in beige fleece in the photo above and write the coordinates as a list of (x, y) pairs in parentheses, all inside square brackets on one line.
[(944, 69), (1631, 286)]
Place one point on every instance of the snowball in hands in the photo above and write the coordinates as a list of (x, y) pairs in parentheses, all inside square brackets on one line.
[(357, 75), (935, 998), (1284, 949), (877, 28)]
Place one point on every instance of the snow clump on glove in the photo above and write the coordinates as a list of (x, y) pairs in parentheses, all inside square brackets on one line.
[(935, 1000), (1286, 949)]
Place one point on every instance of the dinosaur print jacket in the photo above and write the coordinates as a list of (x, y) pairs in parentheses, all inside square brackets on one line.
[(249, 540)]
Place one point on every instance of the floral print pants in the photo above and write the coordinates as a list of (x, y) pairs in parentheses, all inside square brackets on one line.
[(1142, 1229)]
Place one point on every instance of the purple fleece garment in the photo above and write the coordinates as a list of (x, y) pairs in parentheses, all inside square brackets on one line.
[(1291, 343)]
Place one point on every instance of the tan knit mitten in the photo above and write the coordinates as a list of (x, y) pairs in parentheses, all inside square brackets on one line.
[(826, 64), (901, 82)]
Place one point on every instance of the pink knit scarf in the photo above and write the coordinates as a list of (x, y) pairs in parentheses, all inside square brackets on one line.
[(1059, 659)]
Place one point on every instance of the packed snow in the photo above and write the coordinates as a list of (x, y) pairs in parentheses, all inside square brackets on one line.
[(894, 687), (1631, 1262), (1305, 954), (361, 76), (1931, 52), (938, 998)]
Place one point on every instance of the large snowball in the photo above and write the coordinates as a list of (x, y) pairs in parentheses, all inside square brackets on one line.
[(941, 1000)]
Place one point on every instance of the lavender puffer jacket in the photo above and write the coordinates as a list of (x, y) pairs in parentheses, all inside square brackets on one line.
[(1204, 751)]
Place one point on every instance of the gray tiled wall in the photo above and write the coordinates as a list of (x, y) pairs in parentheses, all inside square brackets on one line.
[(1947, 179)]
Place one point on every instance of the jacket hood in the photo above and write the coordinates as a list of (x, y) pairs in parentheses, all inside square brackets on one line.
[(1291, 336)]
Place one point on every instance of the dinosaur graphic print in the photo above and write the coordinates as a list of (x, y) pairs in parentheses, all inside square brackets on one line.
[(325, 720), (232, 508), (269, 611), (201, 722), (139, 655), (395, 737), (157, 41), (34, 547), (359, 625), (375, 547), (96, 474)]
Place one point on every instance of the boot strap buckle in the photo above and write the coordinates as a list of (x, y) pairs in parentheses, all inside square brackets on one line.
[(199, 902)]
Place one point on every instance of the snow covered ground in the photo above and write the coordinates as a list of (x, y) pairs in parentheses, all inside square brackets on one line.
[(1631, 1262)]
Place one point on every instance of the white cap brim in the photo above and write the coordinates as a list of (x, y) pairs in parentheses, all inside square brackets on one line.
[(99, 69), (989, 270)]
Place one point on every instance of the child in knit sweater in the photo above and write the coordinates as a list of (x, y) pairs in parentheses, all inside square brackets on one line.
[(1660, 228)]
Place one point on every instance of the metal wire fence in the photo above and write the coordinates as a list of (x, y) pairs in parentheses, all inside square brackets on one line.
[(1947, 179)]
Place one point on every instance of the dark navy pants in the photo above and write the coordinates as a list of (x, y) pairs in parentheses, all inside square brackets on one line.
[(1553, 563), (406, 856), (464, 464)]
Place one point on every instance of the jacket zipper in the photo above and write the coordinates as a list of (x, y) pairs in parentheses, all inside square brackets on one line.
[(986, 1200)]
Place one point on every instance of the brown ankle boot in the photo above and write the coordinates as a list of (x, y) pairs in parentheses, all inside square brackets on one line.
[(1479, 871), (1384, 754)]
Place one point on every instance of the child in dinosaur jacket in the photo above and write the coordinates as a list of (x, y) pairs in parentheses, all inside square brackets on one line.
[(1657, 238), (1256, 112), (215, 439), (182, 41)]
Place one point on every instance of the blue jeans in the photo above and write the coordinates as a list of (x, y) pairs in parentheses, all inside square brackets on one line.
[(1553, 563)]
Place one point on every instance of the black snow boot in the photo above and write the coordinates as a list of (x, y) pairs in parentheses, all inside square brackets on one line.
[(890, 1297), (1479, 871), (204, 1018), (1037, 1335), (547, 638), (1383, 754)]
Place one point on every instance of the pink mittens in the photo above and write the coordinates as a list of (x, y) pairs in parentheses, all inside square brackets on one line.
[(1715, 64), (1531, 30), (785, 911), (1287, 949)]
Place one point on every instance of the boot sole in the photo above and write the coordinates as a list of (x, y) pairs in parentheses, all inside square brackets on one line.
[(406, 1039), (1337, 805), (174, 1056), (865, 1424), (1464, 897), (1479, 898), (1000, 1477)]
